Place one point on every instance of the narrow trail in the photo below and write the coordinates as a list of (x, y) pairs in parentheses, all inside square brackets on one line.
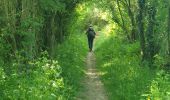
[(93, 87)]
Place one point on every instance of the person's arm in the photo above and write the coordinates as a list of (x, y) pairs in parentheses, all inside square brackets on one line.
[(87, 31)]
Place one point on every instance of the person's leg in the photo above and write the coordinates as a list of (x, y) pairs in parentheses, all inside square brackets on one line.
[(89, 42), (92, 43)]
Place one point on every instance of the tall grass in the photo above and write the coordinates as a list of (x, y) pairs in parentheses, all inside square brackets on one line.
[(71, 55), (125, 78)]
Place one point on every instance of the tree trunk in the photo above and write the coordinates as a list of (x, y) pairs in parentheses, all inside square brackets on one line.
[(141, 4), (169, 31), (133, 35), (18, 22), (9, 22), (150, 34), (133, 30), (123, 22), (60, 27), (120, 12)]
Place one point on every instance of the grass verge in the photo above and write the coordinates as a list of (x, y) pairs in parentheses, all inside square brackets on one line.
[(122, 74)]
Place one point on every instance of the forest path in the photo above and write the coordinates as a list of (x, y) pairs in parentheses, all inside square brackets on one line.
[(92, 85)]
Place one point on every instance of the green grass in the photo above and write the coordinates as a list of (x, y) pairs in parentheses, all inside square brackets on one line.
[(71, 55), (122, 73), (118, 62)]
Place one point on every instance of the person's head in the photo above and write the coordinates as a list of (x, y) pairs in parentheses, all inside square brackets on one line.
[(90, 26)]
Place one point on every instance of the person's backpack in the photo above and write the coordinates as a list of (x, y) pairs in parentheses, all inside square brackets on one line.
[(91, 33)]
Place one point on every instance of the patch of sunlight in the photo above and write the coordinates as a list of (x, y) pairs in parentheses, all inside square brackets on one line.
[(96, 12), (104, 15), (147, 96), (107, 64), (103, 73), (80, 8), (109, 30)]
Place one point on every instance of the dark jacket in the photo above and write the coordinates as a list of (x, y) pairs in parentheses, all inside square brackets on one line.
[(90, 32)]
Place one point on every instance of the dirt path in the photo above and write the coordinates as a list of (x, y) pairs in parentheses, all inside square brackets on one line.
[(93, 87)]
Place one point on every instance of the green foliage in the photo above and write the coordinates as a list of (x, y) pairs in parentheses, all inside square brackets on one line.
[(122, 73), (28, 30), (71, 57), (41, 80), (52, 5), (44, 78), (159, 88)]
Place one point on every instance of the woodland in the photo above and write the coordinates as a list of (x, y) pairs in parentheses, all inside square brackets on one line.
[(43, 47)]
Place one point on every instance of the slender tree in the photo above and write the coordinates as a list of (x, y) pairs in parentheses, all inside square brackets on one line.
[(141, 4), (151, 50), (169, 30), (132, 19)]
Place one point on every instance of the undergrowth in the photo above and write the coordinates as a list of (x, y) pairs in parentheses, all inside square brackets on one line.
[(44, 78), (38, 79), (123, 75), (71, 55)]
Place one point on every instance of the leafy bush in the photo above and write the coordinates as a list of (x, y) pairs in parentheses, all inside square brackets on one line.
[(159, 88), (41, 80)]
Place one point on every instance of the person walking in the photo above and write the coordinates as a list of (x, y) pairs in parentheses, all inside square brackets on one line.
[(90, 35)]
